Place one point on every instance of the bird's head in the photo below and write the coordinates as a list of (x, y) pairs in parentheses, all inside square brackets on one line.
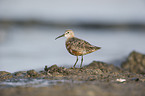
[(67, 34)]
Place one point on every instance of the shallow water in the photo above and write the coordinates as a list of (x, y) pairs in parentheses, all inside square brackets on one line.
[(34, 83), (33, 47)]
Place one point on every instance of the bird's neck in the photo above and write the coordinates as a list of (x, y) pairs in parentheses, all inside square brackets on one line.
[(70, 37)]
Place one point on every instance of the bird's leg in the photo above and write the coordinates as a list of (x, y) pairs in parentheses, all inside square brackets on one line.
[(75, 62), (81, 62)]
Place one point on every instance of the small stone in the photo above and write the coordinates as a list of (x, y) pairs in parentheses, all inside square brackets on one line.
[(121, 80), (135, 79), (46, 69)]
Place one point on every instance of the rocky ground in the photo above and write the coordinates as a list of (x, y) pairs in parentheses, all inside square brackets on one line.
[(95, 79)]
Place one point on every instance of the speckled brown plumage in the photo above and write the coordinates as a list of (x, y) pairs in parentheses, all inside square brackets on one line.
[(76, 46)]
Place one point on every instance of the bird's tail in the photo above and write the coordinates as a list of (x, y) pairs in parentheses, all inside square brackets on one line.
[(97, 48), (94, 48)]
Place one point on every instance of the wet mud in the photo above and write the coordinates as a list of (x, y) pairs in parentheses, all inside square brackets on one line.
[(95, 79)]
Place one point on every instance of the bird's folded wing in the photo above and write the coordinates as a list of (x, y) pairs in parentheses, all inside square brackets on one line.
[(80, 45)]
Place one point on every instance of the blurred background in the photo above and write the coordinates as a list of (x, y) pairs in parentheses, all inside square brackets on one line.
[(28, 29)]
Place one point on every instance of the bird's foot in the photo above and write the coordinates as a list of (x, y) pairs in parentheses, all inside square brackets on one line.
[(74, 67)]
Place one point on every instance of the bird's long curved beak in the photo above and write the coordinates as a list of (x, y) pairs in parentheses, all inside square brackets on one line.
[(60, 36)]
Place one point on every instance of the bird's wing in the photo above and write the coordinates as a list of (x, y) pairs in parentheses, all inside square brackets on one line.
[(79, 44)]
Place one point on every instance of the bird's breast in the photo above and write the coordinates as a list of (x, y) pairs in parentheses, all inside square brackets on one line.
[(71, 50)]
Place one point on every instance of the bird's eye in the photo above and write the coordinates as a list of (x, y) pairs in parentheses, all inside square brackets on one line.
[(67, 32)]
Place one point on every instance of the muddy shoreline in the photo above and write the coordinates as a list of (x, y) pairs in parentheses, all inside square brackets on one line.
[(95, 79)]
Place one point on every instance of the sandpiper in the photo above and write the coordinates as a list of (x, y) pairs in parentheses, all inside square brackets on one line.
[(76, 46)]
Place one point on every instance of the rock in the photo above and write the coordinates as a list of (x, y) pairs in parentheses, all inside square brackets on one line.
[(102, 66), (33, 73), (20, 73), (2, 73), (56, 71), (5, 75), (135, 63)]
